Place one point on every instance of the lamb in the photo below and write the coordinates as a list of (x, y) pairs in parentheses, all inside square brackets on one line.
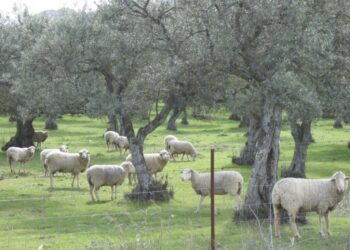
[(225, 182), (22, 155), (121, 142), (74, 163), (39, 137), (182, 147), (155, 162), (168, 139), (106, 175), (110, 137), (45, 152), (319, 195)]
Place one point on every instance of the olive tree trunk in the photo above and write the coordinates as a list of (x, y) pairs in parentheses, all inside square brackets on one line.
[(51, 123), (301, 133), (184, 119), (180, 106), (264, 174), (24, 135), (247, 155), (113, 123)]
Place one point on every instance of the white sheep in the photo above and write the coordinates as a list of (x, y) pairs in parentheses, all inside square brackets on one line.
[(22, 155), (121, 142), (225, 182), (155, 162), (74, 163), (106, 175), (168, 139), (39, 137), (305, 195), (110, 138), (45, 152), (182, 147)]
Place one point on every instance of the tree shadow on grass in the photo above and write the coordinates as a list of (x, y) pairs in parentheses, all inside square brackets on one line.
[(81, 190)]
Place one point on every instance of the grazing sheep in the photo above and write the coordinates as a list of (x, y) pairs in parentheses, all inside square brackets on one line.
[(168, 139), (182, 147), (106, 175), (110, 138), (305, 195), (45, 152), (67, 163), (22, 155), (39, 137), (121, 143), (225, 182), (155, 162)]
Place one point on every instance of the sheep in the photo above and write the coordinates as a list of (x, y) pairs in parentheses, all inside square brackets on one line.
[(305, 195), (106, 175), (225, 182), (67, 163), (22, 155), (121, 142), (155, 162), (39, 137), (45, 152), (182, 147), (167, 139), (110, 137)]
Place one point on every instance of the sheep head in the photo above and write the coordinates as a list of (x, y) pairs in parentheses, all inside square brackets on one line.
[(127, 165), (165, 155), (340, 181), (186, 174), (84, 154)]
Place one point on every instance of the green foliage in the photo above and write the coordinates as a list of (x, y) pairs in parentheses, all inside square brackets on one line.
[(65, 218)]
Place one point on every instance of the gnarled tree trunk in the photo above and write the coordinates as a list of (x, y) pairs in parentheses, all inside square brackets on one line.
[(247, 155), (180, 106), (184, 119), (24, 135), (51, 123), (264, 174), (112, 123)]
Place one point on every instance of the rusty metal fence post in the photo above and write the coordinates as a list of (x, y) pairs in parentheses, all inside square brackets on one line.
[(212, 203)]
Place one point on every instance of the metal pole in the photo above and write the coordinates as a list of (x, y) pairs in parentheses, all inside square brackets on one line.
[(212, 204)]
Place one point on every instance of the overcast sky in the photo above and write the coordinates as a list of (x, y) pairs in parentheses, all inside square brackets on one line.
[(36, 6)]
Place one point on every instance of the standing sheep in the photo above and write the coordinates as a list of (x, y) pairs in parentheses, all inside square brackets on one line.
[(45, 152), (319, 195), (22, 155), (182, 147), (121, 143), (39, 137), (67, 163), (155, 162), (225, 182), (110, 138), (106, 175)]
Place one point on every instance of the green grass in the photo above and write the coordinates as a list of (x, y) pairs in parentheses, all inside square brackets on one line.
[(65, 218)]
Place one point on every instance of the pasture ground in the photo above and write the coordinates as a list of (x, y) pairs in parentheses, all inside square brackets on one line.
[(31, 215)]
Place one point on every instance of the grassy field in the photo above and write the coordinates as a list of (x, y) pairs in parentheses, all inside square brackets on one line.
[(31, 215)]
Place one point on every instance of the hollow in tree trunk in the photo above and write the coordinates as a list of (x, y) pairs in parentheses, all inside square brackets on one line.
[(24, 135), (247, 155), (51, 123), (264, 175)]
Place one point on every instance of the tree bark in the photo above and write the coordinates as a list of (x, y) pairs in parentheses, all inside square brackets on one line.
[(244, 122), (113, 123), (24, 135), (264, 174), (302, 138), (234, 117), (184, 119), (51, 123), (337, 123), (247, 155), (179, 107)]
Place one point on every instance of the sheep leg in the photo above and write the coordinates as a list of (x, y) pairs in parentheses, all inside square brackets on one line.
[(292, 217), (327, 224), (199, 204), (238, 202), (321, 226), (91, 194), (129, 177), (277, 220), (78, 186), (73, 180), (51, 180), (96, 193)]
